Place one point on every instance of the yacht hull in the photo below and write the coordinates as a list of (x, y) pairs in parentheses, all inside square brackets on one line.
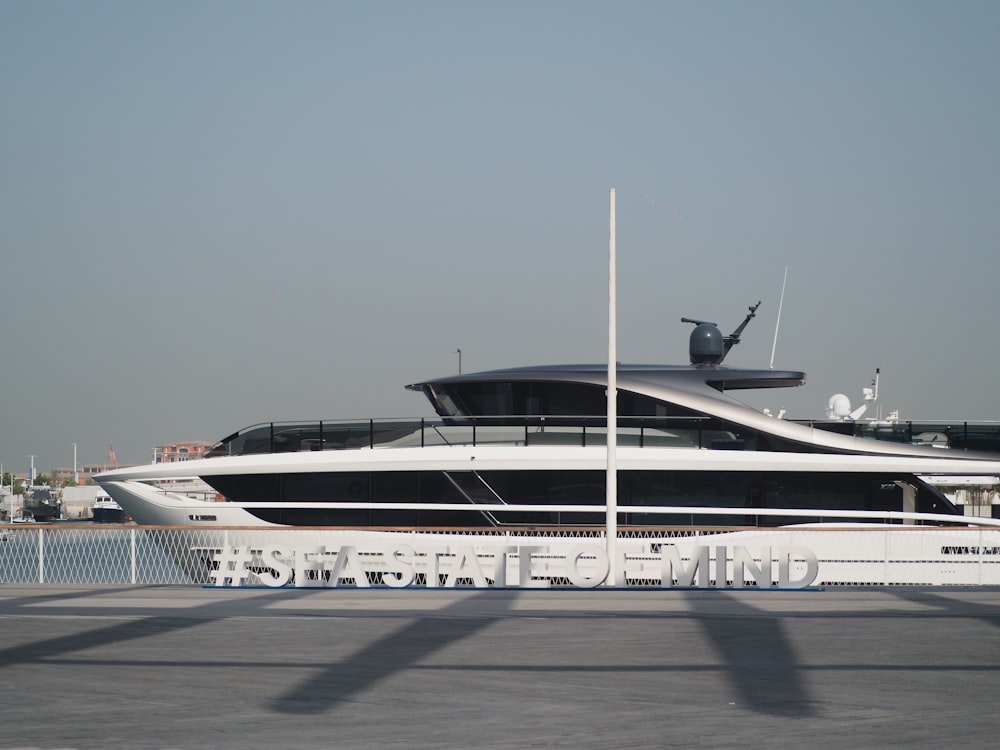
[(210, 537)]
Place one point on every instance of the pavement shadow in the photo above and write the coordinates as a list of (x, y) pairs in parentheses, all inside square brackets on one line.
[(145, 624), (755, 652), (396, 652), (940, 603)]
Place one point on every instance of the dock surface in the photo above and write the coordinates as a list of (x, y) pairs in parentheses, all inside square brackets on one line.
[(187, 667)]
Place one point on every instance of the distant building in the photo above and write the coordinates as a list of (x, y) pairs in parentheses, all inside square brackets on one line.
[(85, 472), (78, 502), (186, 451), (162, 454)]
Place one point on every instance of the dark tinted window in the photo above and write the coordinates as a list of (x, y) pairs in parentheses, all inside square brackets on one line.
[(551, 399), (741, 491)]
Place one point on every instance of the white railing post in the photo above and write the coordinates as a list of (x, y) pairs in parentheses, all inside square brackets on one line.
[(132, 544), (41, 556)]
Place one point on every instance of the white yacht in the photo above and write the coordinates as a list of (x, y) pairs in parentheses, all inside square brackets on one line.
[(525, 449)]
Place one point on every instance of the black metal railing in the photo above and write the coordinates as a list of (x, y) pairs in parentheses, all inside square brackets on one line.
[(681, 432), (284, 437)]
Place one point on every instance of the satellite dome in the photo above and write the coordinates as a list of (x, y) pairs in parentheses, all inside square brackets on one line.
[(838, 407)]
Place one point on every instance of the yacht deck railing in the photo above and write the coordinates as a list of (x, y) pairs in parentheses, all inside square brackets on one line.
[(700, 432)]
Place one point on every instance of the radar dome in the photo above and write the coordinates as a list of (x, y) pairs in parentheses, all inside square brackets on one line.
[(706, 345)]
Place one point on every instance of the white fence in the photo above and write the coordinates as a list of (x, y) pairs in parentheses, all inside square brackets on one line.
[(712, 558)]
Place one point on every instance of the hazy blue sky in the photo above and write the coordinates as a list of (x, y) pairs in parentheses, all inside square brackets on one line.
[(222, 213)]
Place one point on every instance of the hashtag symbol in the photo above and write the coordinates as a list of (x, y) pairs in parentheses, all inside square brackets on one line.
[(232, 566)]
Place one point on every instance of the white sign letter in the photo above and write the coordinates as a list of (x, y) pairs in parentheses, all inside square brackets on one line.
[(277, 572), (348, 565), (744, 561), (309, 573), (673, 566), (525, 568), (400, 572), (465, 564), (599, 568), (804, 555)]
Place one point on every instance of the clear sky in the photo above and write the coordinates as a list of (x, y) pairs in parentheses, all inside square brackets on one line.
[(216, 214)]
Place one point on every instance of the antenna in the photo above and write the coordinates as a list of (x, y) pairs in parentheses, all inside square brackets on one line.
[(734, 337), (777, 323), (874, 397)]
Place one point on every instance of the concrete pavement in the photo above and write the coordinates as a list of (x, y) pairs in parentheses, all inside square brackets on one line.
[(188, 667)]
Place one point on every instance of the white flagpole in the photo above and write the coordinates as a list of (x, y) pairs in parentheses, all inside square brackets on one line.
[(611, 533)]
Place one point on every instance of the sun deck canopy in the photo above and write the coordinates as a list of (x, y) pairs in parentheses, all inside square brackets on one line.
[(644, 390)]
